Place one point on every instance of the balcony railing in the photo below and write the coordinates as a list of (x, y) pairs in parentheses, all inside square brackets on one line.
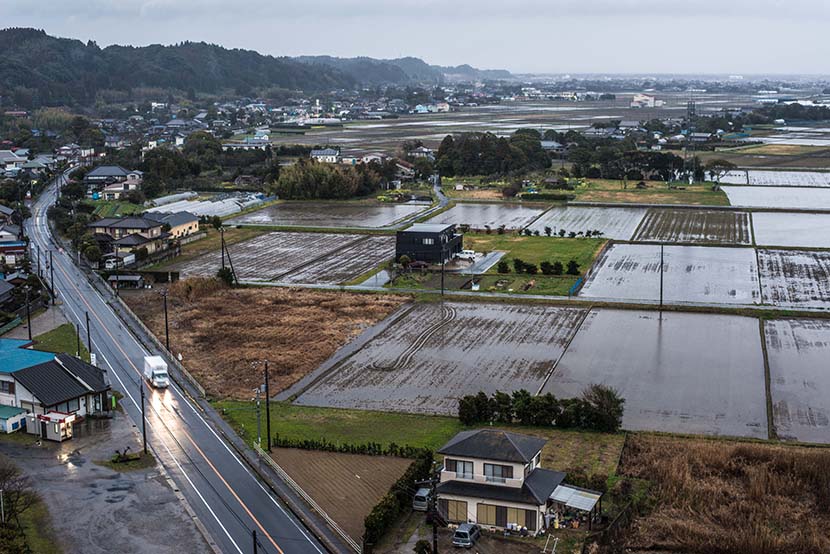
[(447, 475)]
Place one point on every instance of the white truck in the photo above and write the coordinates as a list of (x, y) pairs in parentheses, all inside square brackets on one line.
[(155, 371)]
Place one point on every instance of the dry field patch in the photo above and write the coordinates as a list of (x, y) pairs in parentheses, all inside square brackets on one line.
[(221, 332)]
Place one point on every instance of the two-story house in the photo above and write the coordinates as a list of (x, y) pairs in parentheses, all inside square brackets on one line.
[(128, 234), (182, 224), (428, 242), (112, 181), (492, 478), (326, 155)]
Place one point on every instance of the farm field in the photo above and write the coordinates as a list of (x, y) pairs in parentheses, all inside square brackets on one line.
[(656, 193), (615, 223), (708, 496), (691, 274), (353, 483), (296, 257), (426, 360), (222, 332), (347, 262), (479, 216), (715, 226), (791, 229), (798, 350), (329, 214), (793, 279), (778, 197), (759, 177), (682, 373)]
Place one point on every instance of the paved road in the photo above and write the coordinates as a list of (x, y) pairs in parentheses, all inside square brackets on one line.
[(228, 499)]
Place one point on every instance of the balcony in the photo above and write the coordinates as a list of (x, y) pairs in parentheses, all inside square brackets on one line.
[(447, 475)]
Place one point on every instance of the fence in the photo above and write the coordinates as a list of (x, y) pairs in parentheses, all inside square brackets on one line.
[(310, 501), (10, 325)]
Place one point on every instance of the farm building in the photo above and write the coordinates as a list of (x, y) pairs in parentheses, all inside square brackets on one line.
[(433, 243)]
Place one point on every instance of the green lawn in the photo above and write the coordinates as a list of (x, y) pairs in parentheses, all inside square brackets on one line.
[(62, 339), (115, 208), (566, 449), (37, 526)]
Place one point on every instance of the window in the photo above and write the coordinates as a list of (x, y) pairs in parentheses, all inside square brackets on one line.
[(516, 516), (429, 241), (7, 387), (497, 473), (486, 514), (454, 510), (464, 470)]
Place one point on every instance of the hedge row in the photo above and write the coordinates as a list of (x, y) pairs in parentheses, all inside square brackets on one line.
[(399, 498), (369, 448)]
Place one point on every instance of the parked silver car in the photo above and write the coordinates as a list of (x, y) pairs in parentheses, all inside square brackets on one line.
[(466, 535), (421, 500)]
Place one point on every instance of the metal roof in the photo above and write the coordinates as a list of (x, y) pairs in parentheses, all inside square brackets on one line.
[(10, 411), (574, 497), (427, 228), (14, 355)]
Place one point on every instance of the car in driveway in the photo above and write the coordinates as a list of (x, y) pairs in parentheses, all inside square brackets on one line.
[(466, 535), (420, 502)]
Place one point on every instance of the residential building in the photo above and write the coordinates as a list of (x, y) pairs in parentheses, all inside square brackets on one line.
[(422, 152), (181, 224), (128, 234), (326, 155), (10, 160), (432, 243), (6, 214), (104, 174), (9, 233), (492, 478), (553, 147)]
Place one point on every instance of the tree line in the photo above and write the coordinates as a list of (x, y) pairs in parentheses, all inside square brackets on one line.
[(487, 154), (599, 408)]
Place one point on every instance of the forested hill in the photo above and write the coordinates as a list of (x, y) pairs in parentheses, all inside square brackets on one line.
[(403, 70), (41, 70)]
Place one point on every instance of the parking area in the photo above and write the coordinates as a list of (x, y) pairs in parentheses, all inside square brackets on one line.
[(798, 351), (691, 274), (438, 352), (678, 372)]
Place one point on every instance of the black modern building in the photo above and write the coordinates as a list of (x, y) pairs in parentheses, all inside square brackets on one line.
[(428, 242)]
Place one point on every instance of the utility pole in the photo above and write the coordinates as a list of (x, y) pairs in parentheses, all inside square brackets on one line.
[(117, 274), (78, 339), (433, 481), (258, 419), (661, 278), (28, 313), (255, 541), (166, 324), (52, 277), (267, 407), (88, 338), (222, 244), (143, 419)]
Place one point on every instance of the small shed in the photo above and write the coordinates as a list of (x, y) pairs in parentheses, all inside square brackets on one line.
[(568, 498), (126, 281), (11, 418), (53, 426)]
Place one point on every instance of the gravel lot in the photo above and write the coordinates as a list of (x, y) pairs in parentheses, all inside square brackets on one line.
[(798, 350), (684, 373), (691, 274), (425, 361), (615, 223)]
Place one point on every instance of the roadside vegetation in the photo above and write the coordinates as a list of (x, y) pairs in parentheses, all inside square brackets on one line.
[(62, 339)]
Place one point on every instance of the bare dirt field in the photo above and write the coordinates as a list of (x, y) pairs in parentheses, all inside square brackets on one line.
[(679, 373), (798, 350), (221, 332), (793, 279), (346, 486), (726, 497), (434, 354), (321, 258), (714, 226)]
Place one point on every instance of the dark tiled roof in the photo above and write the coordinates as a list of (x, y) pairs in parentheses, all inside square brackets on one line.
[(50, 383), (92, 376), (541, 483), (489, 492), (108, 171), (5, 210), (131, 222), (172, 218), (493, 444), (132, 240)]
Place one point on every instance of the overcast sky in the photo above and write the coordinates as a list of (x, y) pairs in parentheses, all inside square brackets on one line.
[(540, 36)]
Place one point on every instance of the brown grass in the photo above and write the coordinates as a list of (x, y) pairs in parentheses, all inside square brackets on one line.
[(718, 497), (221, 332)]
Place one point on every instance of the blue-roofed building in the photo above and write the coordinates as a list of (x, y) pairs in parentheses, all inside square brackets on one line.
[(15, 356)]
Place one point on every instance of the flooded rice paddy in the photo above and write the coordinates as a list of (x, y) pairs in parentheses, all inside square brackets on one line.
[(320, 258), (795, 279), (711, 226), (791, 229), (798, 351), (679, 373), (690, 274), (764, 178), (330, 214), (481, 216), (615, 223), (434, 354)]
